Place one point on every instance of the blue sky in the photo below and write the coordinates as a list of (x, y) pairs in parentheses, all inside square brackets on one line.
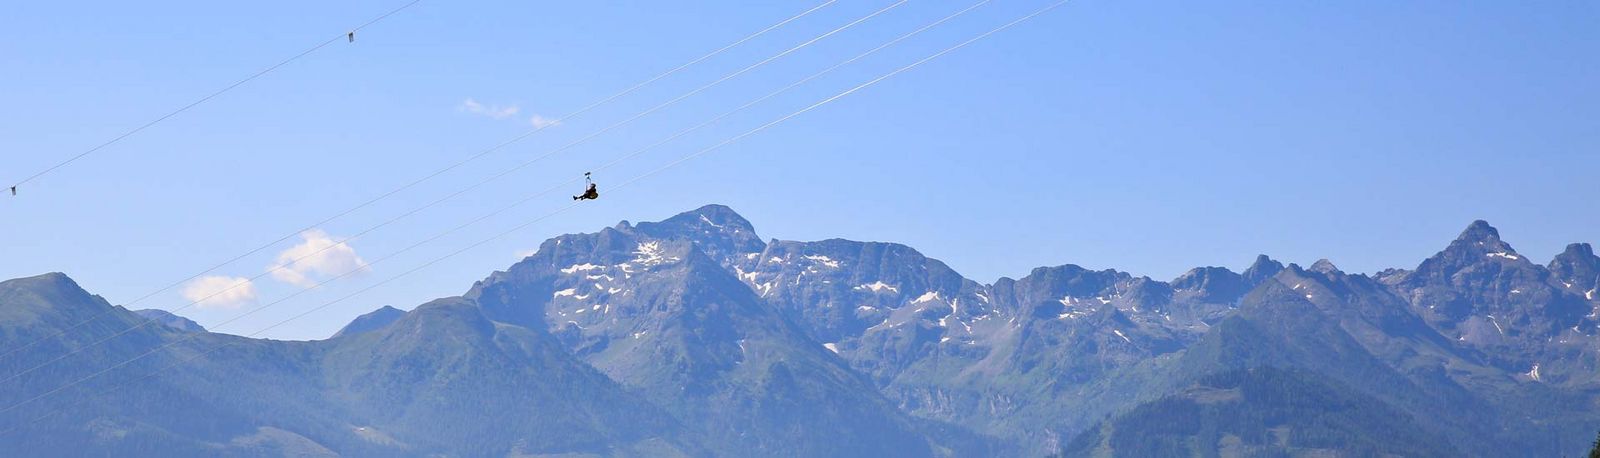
[(1144, 136)]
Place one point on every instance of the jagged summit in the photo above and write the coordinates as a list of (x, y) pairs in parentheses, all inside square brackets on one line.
[(716, 229), (1480, 243), (710, 217), (1578, 268), (693, 337), (1200, 275), (1476, 286), (1479, 230), (1324, 266), (1579, 249), (1577, 255), (1481, 238), (1262, 269), (1213, 283)]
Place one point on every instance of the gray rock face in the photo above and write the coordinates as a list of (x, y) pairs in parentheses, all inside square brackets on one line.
[(1578, 269), (1215, 284), (1487, 297), (1262, 269), (653, 311)]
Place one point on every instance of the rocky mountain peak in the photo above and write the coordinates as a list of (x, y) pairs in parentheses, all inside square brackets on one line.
[(1577, 267), (1477, 245), (1578, 250), (710, 218), (1324, 266), (1261, 270), (719, 231), (1479, 231), (1212, 284), (1481, 238)]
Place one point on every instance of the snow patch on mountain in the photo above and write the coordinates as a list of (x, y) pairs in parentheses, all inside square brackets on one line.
[(824, 260), (650, 254), (1502, 254), (748, 277), (877, 287), (580, 268), (708, 221)]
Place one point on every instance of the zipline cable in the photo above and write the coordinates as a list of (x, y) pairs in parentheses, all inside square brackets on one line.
[(414, 183), (210, 96), (341, 242), (519, 227)]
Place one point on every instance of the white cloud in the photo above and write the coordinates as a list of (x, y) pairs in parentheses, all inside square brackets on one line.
[(492, 111), (504, 112), (220, 292), (540, 122), (318, 255)]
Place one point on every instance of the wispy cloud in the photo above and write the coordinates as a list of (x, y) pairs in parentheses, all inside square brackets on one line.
[(318, 255), (540, 122), (492, 111), (220, 292), (502, 112)]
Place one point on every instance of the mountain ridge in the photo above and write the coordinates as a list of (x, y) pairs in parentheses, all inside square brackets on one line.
[(723, 343)]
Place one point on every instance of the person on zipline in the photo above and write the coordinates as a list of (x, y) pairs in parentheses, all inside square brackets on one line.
[(590, 193)]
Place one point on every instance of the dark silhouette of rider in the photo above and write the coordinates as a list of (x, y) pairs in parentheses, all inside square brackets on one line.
[(589, 194)]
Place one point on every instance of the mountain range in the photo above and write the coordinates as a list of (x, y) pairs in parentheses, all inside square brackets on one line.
[(693, 336)]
